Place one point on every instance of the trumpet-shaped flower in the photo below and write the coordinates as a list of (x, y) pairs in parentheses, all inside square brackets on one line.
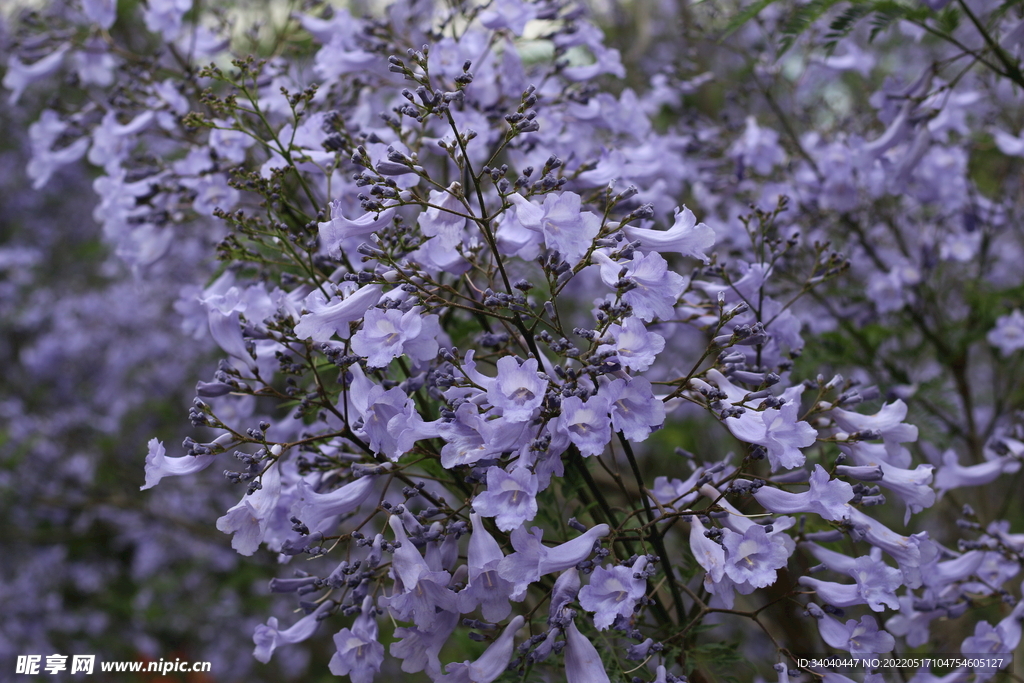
[(492, 663), (316, 509), (565, 228), (339, 229), (780, 431), (420, 594), (582, 662), (686, 236), (614, 592), (517, 390), (442, 220), (753, 556), (268, 636), (359, 654), (471, 436), (587, 423), (860, 638), (826, 497), (486, 587), (651, 288), (325, 318), (158, 465), (248, 520), (634, 346), (888, 422), (532, 559), (387, 334), (636, 411), (875, 586), (511, 497)]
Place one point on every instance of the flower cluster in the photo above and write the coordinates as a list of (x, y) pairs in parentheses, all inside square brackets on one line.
[(464, 317)]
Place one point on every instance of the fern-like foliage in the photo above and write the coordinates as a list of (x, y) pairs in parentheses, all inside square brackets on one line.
[(745, 15), (880, 14), (802, 18), (844, 24)]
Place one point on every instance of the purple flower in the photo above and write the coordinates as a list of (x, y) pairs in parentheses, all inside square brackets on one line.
[(517, 390), (20, 75), (314, 509), (910, 552), (753, 556), (614, 592), (567, 587), (439, 220), (1008, 334), (652, 290), (419, 648), (1001, 529), (471, 436), (419, 594), (486, 587), (45, 160), (826, 497), (533, 559), (912, 486), (911, 623), (158, 465), (212, 193), (707, 553), (511, 497), (636, 412), (837, 562), (324, 318), (1007, 143), (1001, 639), (686, 236), (267, 636), (758, 148), (888, 422), (608, 62), (953, 475), (492, 663), (676, 494), (582, 662), (101, 12), (559, 219), (230, 144), (339, 229), (390, 419), (225, 325), (164, 16), (634, 346), (510, 14), (779, 431), (860, 638), (865, 453), (359, 654), (587, 423), (387, 334), (711, 556), (938, 575), (248, 520), (875, 586)]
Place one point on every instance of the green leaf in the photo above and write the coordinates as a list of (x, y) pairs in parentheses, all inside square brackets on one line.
[(949, 19), (748, 13), (888, 12), (801, 19), (844, 24)]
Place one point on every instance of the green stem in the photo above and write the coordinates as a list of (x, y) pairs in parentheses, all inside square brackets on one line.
[(654, 534)]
